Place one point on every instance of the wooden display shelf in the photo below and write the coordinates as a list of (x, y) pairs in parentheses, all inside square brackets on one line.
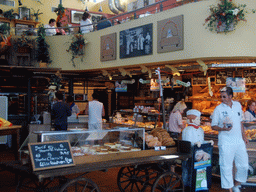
[(145, 98)]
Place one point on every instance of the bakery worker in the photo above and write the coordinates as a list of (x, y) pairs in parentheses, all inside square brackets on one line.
[(227, 119), (249, 114), (73, 107), (95, 110), (193, 132)]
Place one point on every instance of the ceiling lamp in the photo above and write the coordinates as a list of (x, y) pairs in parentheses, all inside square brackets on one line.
[(19, 2), (100, 9), (223, 65), (86, 9)]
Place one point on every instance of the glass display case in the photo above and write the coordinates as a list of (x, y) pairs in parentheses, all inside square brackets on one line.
[(98, 142)]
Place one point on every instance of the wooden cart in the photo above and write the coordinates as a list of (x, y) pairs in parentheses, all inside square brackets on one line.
[(149, 171)]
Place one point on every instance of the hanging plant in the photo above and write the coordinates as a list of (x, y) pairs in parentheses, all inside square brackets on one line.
[(60, 11), (23, 44), (9, 14), (42, 47), (5, 41), (226, 14), (77, 47)]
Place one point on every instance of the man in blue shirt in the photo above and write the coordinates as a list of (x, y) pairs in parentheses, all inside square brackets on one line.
[(103, 23)]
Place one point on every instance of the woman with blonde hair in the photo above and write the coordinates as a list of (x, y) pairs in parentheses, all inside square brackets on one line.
[(175, 120)]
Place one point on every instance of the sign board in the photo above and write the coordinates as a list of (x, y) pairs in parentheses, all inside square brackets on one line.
[(250, 76), (221, 77), (50, 155), (199, 79)]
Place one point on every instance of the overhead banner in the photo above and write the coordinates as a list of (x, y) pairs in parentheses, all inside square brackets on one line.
[(120, 87)]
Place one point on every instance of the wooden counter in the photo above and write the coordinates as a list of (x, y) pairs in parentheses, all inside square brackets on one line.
[(15, 132)]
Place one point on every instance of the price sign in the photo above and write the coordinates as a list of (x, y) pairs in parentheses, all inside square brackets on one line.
[(49, 155)]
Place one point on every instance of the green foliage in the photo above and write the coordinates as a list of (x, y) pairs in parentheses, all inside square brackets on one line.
[(225, 13), (23, 42), (4, 28), (42, 51), (77, 47), (9, 14)]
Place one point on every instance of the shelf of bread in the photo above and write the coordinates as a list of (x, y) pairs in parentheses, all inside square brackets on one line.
[(145, 98)]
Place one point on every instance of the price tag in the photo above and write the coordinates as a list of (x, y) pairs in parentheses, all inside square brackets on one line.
[(163, 148), (157, 148)]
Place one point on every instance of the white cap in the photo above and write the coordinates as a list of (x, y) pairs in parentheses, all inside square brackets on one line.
[(194, 112)]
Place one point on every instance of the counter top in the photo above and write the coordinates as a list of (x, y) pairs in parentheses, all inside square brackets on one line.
[(11, 127)]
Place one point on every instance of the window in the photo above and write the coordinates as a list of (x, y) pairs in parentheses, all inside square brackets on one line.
[(7, 2)]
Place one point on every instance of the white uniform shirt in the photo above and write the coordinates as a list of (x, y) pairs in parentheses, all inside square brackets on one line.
[(234, 136), (95, 114), (193, 135), (49, 30), (175, 120), (88, 28), (248, 116), (75, 109)]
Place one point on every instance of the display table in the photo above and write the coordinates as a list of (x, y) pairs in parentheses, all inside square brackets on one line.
[(15, 132)]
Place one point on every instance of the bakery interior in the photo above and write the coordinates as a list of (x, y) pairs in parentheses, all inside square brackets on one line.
[(204, 62)]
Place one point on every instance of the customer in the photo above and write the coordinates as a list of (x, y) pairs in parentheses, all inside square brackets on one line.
[(50, 28), (249, 114), (73, 107), (103, 23), (227, 119), (175, 120), (60, 31), (95, 110), (86, 23), (60, 113)]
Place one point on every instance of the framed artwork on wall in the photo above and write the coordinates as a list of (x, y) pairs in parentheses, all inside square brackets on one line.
[(24, 13), (170, 34), (108, 47), (136, 41)]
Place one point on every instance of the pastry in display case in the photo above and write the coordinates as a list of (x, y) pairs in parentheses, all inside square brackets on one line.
[(98, 142)]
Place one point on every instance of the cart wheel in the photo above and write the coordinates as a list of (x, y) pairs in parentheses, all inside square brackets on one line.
[(32, 184), (80, 185), (168, 182), (132, 179)]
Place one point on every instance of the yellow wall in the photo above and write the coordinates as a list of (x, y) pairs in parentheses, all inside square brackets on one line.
[(198, 41)]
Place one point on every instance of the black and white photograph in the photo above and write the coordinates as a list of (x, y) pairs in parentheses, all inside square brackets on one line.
[(136, 41)]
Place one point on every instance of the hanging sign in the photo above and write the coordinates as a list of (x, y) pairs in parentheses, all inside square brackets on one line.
[(237, 84), (183, 83), (120, 87), (154, 85), (144, 81), (128, 82)]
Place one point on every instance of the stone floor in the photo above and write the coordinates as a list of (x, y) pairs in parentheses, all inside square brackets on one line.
[(107, 181)]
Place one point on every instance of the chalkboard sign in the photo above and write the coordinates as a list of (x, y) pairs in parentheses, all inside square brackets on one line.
[(199, 79), (49, 155), (250, 76), (221, 77)]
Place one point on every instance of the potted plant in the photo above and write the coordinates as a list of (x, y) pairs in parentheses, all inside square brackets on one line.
[(4, 40), (9, 14), (23, 44), (225, 16), (36, 14), (42, 51)]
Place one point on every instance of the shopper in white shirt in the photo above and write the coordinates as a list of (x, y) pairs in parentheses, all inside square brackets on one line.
[(86, 24), (96, 111), (175, 120), (249, 114), (227, 119), (50, 28)]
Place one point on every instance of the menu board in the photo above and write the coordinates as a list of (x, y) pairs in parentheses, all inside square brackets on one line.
[(221, 77), (49, 155), (199, 79), (250, 76)]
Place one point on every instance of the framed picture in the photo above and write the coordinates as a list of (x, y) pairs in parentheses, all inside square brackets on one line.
[(108, 47), (24, 12), (80, 97), (76, 16), (20, 28), (136, 41)]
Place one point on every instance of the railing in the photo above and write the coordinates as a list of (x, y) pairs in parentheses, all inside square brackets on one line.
[(124, 17)]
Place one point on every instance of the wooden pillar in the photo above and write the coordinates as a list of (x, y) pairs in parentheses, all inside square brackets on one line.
[(109, 102)]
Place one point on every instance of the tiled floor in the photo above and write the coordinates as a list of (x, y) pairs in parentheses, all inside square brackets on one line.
[(107, 181)]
